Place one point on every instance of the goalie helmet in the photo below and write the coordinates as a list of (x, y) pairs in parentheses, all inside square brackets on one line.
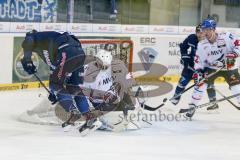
[(104, 58)]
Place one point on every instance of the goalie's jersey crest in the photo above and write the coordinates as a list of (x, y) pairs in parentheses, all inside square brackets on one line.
[(102, 81), (105, 81)]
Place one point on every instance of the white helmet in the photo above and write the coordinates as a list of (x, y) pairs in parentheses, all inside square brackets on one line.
[(104, 58)]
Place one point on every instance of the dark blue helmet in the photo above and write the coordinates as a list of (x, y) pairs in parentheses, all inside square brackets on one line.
[(208, 24), (198, 28)]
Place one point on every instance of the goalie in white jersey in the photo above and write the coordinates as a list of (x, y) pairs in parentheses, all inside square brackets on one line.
[(216, 51), (106, 87)]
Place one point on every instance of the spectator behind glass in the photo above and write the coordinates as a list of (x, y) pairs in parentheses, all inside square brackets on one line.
[(113, 9)]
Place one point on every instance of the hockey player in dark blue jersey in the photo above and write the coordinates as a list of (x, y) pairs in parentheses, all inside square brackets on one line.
[(65, 57), (187, 60)]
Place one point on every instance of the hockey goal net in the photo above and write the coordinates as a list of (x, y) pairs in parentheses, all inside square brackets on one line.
[(45, 113)]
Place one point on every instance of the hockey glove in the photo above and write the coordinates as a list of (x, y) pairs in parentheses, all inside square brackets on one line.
[(109, 97), (185, 60), (218, 64), (198, 76), (28, 66), (112, 94), (52, 98), (231, 59)]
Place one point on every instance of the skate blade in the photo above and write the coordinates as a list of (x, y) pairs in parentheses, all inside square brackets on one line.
[(106, 127), (209, 112), (87, 131), (216, 111), (70, 128)]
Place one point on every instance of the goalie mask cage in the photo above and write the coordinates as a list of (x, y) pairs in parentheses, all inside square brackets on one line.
[(45, 113)]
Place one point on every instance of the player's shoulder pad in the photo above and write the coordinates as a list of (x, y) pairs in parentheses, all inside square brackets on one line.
[(228, 35), (192, 37), (118, 66), (91, 69), (28, 41), (117, 63), (203, 44)]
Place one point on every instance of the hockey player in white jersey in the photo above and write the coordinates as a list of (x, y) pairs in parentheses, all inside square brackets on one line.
[(216, 51)]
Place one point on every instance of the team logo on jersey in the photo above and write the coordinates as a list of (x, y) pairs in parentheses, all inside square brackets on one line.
[(147, 56), (107, 80), (217, 52)]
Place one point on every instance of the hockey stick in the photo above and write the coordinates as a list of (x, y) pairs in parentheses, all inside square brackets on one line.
[(40, 81), (201, 81), (209, 103), (147, 107), (44, 86), (234, 105)]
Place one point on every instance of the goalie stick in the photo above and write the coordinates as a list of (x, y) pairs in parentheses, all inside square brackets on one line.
[(209, 103), (210, 75), (147, 107)]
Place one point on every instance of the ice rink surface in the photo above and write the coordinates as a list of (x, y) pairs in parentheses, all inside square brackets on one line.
[(212, 136)]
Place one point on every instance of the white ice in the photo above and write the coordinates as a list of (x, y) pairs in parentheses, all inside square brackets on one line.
[(208, 136)]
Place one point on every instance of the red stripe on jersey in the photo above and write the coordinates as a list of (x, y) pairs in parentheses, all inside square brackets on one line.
[(237, 43), (196, 59)]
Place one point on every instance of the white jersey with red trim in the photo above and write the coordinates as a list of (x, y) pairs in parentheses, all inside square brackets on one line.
[(208, 54)]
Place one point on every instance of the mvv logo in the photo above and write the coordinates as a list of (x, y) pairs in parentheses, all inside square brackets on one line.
[(107, 80), (216, 52)]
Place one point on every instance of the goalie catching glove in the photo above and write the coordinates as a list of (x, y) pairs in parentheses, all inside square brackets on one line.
[(112, 94)]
